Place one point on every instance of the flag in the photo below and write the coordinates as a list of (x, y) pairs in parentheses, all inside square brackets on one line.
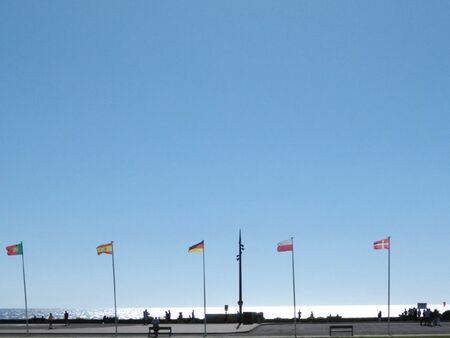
[(105, 248), (382, 244), (199, 247), (285, 246), (15, 249)]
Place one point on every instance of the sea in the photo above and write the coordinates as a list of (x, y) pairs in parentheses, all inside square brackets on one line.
[(270, 312)]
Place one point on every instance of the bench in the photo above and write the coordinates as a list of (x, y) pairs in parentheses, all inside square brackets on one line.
[(341, 329), (161, 328)]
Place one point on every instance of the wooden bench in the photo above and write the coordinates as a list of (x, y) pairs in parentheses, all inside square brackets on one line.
[(341, 329), (161, 328)]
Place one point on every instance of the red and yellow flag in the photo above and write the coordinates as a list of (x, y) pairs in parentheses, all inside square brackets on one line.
[(199, 247), (105, 248)]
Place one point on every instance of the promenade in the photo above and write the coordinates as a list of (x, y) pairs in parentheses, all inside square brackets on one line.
[(360, 329), (225, 330), (137, 330)]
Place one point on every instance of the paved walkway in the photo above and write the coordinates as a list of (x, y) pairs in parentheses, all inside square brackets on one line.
[(359, 329), (223, 330), (125, 329)]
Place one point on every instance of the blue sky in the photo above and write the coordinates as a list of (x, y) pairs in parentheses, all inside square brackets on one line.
[(159, 124)]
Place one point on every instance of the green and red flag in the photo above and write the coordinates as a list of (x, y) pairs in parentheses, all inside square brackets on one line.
[(16, 249)]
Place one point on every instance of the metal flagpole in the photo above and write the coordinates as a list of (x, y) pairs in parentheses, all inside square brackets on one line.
[(389, 286), (204, 290), (293, 287), (239, 258), (24, 289), (114, 283)]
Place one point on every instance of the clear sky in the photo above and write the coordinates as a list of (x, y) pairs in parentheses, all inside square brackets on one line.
[(157, 124)]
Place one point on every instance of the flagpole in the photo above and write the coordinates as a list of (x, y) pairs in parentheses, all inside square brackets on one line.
[(389, 286), (114, 284), (293, 287), (204, 291), (240, 302), (24, 288)]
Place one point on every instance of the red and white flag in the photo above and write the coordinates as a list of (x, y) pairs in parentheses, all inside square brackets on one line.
[(285, 246), (382, 244)]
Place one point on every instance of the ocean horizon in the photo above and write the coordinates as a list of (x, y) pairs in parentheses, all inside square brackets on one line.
[(270, 312)]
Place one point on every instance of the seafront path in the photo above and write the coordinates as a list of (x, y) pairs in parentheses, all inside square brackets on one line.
[(225, 330), (129, 330)]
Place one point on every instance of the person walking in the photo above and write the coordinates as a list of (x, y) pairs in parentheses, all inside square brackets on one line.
[(50, 321), (66, 318), (146, 317), (427, 315)]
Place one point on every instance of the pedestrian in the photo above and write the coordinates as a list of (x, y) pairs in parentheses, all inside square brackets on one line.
[(50, 321), (436, 320), (379, 316), (146, 316), (66, 318), (427, 319)]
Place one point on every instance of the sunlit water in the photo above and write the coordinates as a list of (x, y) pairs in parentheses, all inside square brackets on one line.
[(270, 312)]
